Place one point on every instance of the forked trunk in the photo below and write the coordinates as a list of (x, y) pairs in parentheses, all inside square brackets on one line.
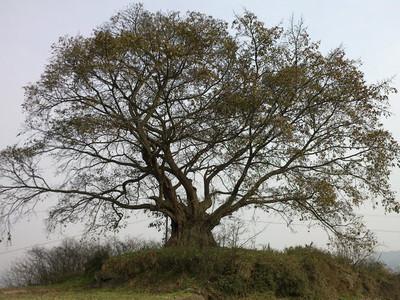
[(191, 234)]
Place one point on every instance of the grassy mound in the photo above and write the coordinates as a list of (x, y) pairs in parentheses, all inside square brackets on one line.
[(296, 273)]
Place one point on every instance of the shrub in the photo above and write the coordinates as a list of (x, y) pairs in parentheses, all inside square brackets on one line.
[(72, 258)]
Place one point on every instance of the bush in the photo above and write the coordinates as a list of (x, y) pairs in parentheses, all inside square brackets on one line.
[(72, 258)]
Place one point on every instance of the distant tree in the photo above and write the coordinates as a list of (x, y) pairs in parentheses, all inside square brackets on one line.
[(231, 233), (358, 248), (179, 115)]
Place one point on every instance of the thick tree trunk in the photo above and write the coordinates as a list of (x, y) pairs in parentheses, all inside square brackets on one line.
[(191, 234)]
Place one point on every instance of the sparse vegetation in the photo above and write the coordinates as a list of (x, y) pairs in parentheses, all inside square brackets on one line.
[(72, 258)]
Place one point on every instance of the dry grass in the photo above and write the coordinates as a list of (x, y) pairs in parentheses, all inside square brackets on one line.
[(90, 294)]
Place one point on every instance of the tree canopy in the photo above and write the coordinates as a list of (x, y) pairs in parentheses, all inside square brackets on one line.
[(184, 116)]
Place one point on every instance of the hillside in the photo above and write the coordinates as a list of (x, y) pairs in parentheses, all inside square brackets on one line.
[(390, 258), (190, 274)]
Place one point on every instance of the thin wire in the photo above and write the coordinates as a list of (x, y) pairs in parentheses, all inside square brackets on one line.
[(397, 216), (136, 222), (58, 240), (301, 224)]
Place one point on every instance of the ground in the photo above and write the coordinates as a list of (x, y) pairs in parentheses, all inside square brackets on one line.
[(190, 274), (47, 293), (90, 294)]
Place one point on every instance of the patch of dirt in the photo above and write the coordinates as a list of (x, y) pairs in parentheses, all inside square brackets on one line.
[(13, 291), (192, 297)]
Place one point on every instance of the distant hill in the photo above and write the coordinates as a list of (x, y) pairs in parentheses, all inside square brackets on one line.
[(391, 259)]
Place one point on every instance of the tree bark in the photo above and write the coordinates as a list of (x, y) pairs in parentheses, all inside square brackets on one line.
[(191, 234)]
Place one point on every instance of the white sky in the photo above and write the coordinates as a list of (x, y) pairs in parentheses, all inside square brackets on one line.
[(368, 30)]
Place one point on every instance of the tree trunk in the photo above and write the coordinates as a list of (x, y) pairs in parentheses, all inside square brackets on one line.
[(191, 234)]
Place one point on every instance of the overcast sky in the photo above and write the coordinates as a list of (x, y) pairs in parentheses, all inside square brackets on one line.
[(368, 30)]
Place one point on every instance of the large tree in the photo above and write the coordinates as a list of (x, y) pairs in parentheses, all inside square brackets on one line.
[(183, 116)]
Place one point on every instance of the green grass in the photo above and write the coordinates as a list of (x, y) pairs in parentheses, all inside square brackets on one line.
[(81, 288), (66, 292), (55, 293), (90, 294)]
